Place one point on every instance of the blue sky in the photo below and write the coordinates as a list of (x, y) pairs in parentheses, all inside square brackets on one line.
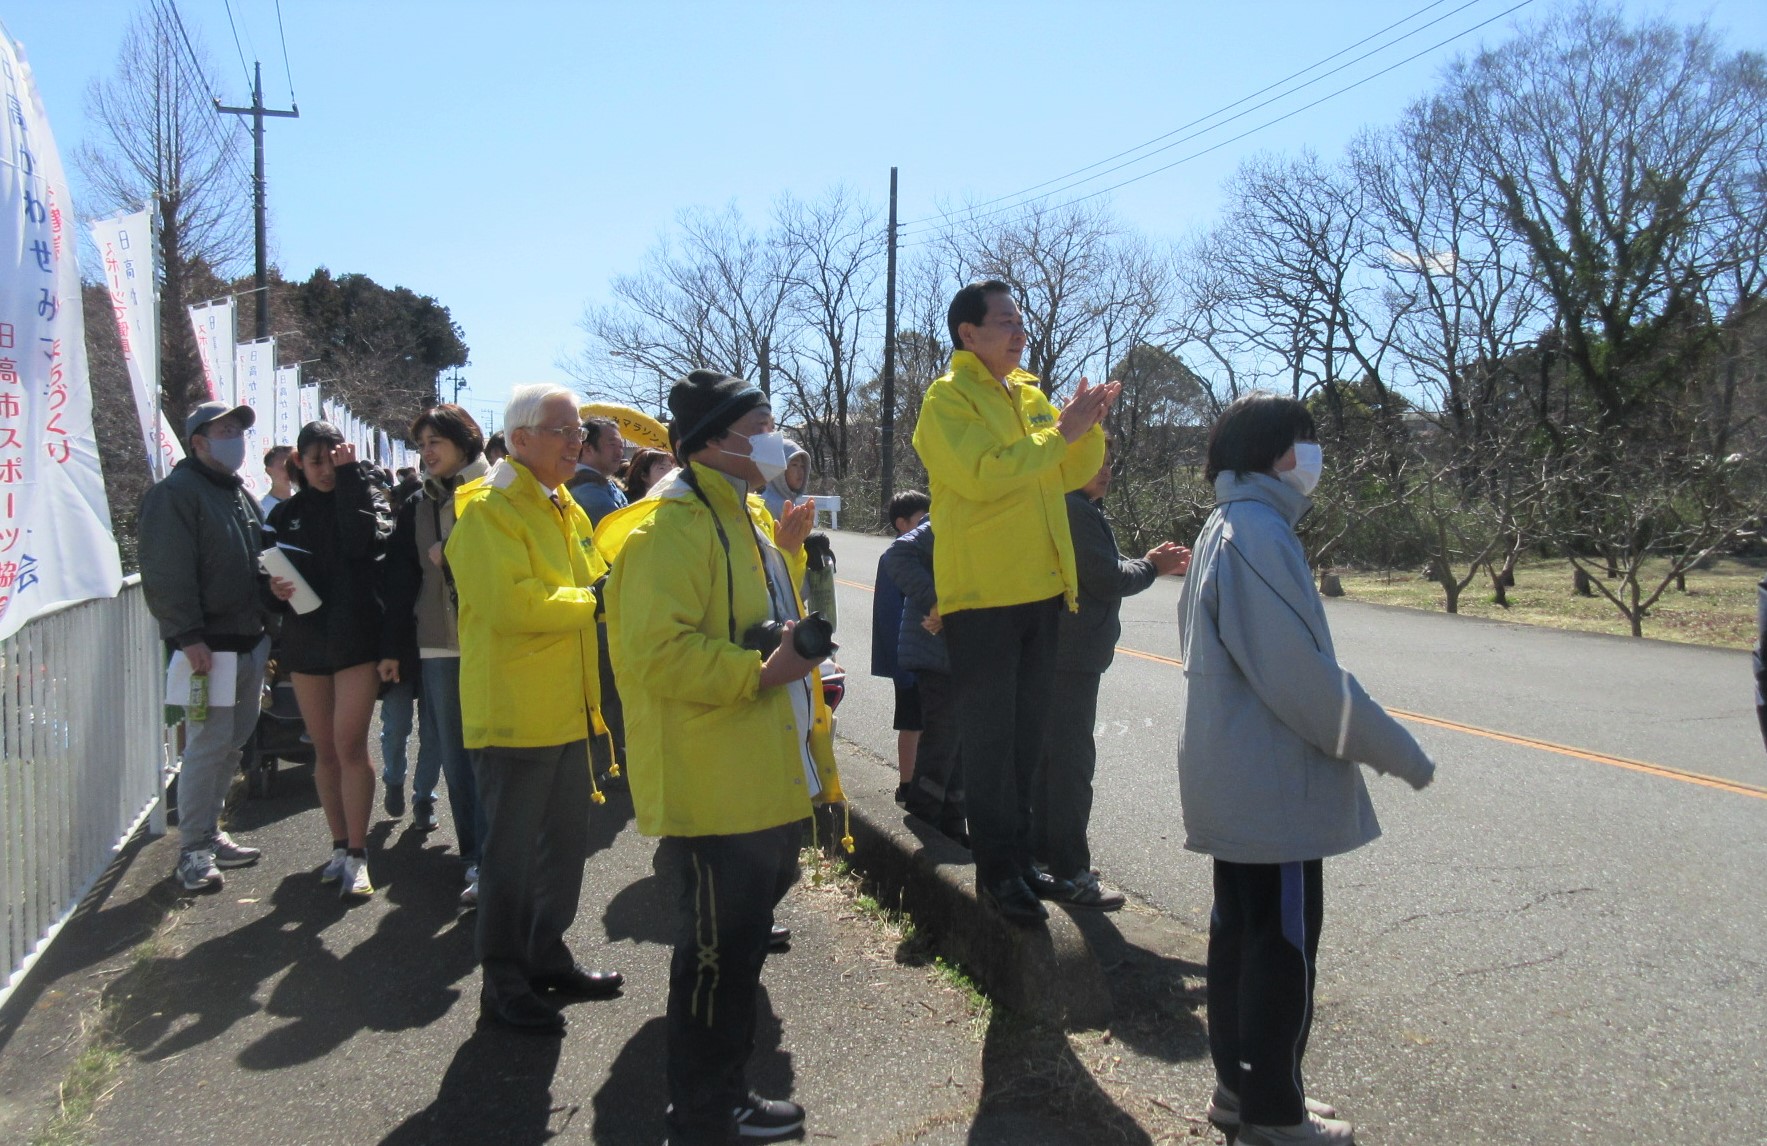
[(510, 158)]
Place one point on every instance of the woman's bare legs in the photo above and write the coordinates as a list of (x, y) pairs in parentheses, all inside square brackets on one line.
[(315, 695), (354, 693)]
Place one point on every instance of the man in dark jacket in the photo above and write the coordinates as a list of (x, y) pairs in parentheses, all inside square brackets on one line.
[(1086, 641), (599, 457), (200, 536)]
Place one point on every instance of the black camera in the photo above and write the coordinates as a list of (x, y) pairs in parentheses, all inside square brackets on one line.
[(813, 639)]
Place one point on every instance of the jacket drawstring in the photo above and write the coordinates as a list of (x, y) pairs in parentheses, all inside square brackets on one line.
[(598, 727)]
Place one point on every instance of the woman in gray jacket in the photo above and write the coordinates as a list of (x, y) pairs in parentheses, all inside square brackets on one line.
[(1273, 730)]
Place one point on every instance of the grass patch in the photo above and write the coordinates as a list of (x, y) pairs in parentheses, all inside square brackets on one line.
[(92, 1076), (1718, 608)]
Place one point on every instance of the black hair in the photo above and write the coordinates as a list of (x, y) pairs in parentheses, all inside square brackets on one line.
[(908, 503), (313, 433), (275, 452), (455, 424), (1253, 433), (497, 442), (592, 431), (971, 305)]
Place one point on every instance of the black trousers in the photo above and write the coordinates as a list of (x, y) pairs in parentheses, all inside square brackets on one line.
[(613, 713), (725, 889), (935, 794), (1263, 940), (1003, 666), (536, 803), (1061, 792)]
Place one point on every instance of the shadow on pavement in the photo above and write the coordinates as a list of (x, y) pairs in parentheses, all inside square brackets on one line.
[(1035, 1089), (203, 992), (498, 1088), (1157, 998), (629, 1106)]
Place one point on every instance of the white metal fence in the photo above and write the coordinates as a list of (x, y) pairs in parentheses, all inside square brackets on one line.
[(82, 756)]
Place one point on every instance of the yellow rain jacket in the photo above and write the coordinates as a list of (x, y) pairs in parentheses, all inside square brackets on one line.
[(523, 568), (711, 752), (999, 471)]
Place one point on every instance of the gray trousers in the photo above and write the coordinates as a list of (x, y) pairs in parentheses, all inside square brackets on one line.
[(536, 803), (211, 752)]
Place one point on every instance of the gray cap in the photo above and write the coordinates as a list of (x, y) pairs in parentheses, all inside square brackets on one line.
[(207, 412)]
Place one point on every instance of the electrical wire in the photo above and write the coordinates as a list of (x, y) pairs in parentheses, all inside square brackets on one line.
[(1229, 107), (201, 77), (285, 68), (1242, 135), (228, 4)]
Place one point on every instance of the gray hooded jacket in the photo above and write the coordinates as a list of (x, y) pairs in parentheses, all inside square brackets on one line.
[(1272, 725)]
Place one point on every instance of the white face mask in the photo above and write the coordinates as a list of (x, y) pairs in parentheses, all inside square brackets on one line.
[(1309, 461), (767, 451)]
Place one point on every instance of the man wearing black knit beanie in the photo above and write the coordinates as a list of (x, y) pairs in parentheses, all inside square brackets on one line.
[(730, 742)]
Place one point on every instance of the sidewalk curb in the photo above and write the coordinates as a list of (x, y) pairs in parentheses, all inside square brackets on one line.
[(1048, 973)]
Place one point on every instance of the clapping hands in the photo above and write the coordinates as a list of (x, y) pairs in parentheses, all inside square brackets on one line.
[(1089, 406)]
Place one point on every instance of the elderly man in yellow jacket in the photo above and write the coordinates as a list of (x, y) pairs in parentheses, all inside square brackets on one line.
[(1000, 460), (730, 741), (523, 566)]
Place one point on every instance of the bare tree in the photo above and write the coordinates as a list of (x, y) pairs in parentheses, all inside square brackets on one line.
[(714, 297), (159, 140), (834, 258)]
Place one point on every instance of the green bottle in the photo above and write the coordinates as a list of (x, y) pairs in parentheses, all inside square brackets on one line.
[(198, 708)]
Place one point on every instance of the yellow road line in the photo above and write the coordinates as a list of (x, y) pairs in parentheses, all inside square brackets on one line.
[(1735, 787)]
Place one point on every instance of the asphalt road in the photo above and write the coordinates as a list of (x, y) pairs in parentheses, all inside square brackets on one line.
[(1546, 944)]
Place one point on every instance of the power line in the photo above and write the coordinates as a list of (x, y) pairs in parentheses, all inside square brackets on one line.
[(245, 67), (284, 38), (1248, 131), (1229, 107)]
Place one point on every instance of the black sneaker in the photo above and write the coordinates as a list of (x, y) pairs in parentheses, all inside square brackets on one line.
[(902, 794), (765, 1119), (1047, 886), (395, 800), (1015, 901), (423, 815)]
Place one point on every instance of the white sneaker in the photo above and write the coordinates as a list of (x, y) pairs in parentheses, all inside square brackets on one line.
[(354, 879), (469, 899), (1224, 1108), (1315, 1131), (334, 868), (472, 874)]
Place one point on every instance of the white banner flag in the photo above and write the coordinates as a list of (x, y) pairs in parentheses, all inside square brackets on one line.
[(55, 539), (216, 339), (386, 448), (125, 246), (254, 376), (288, 405), (309, 407), (166, 445)]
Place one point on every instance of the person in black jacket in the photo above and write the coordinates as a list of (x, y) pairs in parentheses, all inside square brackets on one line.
[(1061, 789), (333, 530)]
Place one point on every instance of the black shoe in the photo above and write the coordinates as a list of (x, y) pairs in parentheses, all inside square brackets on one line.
[(1046, 886), (779, 939), (609, 782), (580, 983), (902, 794), (423, 815), (395, 800), (1015, 901), (524, 1013), (765, 1119)]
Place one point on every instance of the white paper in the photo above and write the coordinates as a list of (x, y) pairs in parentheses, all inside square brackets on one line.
[(277, 564), (221, 678)]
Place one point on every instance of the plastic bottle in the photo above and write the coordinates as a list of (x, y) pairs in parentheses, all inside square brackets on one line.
[(198, 708)]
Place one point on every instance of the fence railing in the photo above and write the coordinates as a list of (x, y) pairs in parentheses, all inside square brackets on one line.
[(82, 758)]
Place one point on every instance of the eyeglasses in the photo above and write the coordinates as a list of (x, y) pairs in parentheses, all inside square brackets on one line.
[(573, 434)]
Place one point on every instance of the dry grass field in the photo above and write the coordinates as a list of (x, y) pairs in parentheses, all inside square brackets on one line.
[(1718, 608)]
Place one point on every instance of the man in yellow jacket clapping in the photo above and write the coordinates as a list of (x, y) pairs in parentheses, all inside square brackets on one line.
[(523, 566), (1000, 461), (730, 742)]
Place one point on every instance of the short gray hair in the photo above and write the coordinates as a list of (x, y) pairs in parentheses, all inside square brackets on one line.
[(527, 402)]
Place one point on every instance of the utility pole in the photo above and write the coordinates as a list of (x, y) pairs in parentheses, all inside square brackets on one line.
[(889, 363), (258, 111), (458, 385)]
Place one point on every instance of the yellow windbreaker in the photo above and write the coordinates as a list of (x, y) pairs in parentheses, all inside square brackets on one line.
[(711, 752), (523, 568), (999, 471)]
